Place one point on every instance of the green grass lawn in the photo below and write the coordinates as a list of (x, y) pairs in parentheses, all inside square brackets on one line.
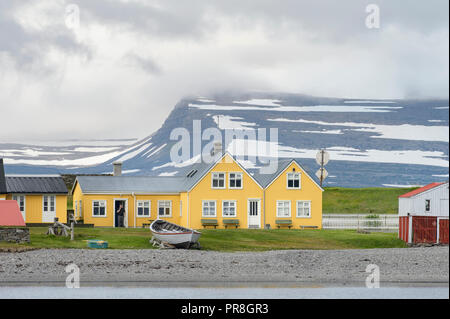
[(376, 200), (220, 240)]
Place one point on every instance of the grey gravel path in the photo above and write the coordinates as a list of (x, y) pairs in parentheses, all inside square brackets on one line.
[(153, 267)]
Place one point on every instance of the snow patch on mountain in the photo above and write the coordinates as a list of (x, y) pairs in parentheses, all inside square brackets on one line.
[(402, 132), (311, 108)]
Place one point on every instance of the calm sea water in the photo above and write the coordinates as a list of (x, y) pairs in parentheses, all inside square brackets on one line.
[(223, 293)]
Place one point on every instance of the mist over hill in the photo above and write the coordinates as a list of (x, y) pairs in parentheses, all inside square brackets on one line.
[(371, 142)]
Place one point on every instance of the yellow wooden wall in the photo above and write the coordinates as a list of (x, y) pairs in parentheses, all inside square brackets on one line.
[(203, 191), (309, 191), (108, 220), (33, 207)]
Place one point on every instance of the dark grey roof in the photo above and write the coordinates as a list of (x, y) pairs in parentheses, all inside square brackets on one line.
[(2, 178), (132, 184), (195, 172), (35, 185), (265, 179)]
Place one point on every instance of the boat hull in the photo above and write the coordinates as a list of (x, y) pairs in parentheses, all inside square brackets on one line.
[(183, 238)]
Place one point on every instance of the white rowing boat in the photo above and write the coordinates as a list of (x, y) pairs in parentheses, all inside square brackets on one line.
[(174, 234)]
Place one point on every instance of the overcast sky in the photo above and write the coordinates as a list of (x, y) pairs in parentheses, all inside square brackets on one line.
[(119, 73)]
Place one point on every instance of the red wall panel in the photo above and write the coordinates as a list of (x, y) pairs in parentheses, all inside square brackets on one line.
[(403, 228), (424, 229), (443, 231)]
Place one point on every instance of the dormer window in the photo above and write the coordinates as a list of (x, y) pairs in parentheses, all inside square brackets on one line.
[(218, 180), (235, 180), (293, 180)]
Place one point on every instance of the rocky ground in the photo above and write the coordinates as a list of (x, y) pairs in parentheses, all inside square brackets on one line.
[(419, 265)]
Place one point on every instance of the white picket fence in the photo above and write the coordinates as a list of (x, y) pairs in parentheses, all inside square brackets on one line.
[(371, 222)]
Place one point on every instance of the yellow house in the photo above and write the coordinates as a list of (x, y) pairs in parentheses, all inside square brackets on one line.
[(220, 195), (41, 198)]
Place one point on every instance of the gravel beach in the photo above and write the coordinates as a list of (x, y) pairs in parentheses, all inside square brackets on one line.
[(422, 265)]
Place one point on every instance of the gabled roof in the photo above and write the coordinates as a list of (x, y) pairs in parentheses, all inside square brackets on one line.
[(2, 178), (267, 179), (35, 185), (205, 168), (10, 214), (420, 190)]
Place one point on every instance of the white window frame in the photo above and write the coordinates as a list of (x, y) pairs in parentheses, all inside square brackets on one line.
[(289, 207), (143, 202), (100, 201), (164, 202), (76, 209), (235, 178), (18, 199), (223, 208), (209, 202), (49, 200), (299, 180), (213, 174), (302, 203)]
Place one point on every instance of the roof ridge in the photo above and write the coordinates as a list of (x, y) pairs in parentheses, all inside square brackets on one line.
[(3, 189), (421, 189)]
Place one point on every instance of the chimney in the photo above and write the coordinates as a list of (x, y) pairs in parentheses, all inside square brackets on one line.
[(217, 149), (2, 178), (117, 169)]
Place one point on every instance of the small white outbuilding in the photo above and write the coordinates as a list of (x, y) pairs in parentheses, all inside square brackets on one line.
[(423, 214)]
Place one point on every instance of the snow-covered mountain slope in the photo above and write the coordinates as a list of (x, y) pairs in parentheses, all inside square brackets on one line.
[(371, 142)]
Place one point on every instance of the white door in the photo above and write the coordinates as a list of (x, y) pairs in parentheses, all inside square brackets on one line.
[(254, 216), (48, 208), (444, 207), (20, 199)]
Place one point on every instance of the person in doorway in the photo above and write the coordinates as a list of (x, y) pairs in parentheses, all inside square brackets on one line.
[(120, 214)]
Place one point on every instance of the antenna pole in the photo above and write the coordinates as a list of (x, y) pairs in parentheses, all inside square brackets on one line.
[(321, 168)]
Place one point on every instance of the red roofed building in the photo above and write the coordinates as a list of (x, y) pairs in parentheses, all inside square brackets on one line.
[(10, 214), (424, 214)]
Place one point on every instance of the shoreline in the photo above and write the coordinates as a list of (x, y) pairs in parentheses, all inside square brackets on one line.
[(418, 266)]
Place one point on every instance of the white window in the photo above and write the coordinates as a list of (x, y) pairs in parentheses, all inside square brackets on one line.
[(76, 209), (165, 208), (303, 208), (49, 203), (229, 208), (218, 180), (235, 180), (99, 208), (21, 201), (209, 208), (143, 208), (293, 180), (283, 208)]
